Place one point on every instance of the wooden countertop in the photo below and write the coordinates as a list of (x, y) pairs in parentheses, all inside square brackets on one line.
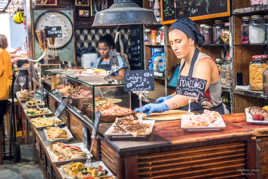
[(169, 133)]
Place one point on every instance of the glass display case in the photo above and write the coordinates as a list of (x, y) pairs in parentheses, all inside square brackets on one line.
[(89, 90)]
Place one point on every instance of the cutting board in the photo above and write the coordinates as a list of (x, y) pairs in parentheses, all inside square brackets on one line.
[(164, 116)]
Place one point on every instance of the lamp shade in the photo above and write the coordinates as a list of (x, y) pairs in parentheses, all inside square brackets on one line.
[(124, 12)]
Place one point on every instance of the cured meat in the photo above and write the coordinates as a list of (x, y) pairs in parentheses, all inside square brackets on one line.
[(257, 112)]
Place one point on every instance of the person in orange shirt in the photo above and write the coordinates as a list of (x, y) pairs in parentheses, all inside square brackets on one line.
[(5, 81)]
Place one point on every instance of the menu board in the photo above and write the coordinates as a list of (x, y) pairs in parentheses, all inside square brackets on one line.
[(197, 10), (193, 87), (139, 80), (135, 48), (53, 31)]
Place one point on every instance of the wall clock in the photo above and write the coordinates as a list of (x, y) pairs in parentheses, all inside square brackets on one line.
[(59, 20)]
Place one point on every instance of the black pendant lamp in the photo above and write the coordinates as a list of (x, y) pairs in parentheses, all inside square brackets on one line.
[(124, 12)]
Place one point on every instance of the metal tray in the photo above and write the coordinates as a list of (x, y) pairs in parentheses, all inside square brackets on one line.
[(250, 119), (221, 125), (53, 157), (60, 139), (50, 118)]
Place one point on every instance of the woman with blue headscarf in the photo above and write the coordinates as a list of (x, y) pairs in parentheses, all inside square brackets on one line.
[(184, 37)]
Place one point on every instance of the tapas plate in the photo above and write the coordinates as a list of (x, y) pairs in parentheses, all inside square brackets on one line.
[(64, 152), (208, 121), (99, 169), (42, 122), (249, 118), (54, 134), (36, 112)]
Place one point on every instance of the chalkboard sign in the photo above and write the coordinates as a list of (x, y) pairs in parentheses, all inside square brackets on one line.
[(135, 48), (193, 87), (53, 32), (139, 80), (195, 9), (60, 109)]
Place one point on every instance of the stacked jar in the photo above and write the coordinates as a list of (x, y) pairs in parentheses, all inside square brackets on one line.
[(217, 31), (256, 30), (206, 31), (245, 30), (256, 68)]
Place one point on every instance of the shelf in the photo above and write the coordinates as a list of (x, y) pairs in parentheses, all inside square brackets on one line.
[(250, 45), (245, 91), (251, 10), (214, 45), (154, 46)]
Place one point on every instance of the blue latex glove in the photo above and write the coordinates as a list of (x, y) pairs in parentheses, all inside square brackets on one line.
[(163, 99), (153, 107)]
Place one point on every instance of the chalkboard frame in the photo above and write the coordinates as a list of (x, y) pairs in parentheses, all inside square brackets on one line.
[(225, 13)]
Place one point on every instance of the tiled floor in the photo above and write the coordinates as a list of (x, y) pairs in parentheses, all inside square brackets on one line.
[(27, 168)]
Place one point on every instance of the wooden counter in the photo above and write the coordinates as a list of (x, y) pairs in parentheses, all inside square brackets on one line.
[(170, 152)]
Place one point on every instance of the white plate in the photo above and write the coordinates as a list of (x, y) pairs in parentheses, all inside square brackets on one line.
[(250, 119), (53, 157), (93, 164), (110, 132), (60, 139), (184, 122)]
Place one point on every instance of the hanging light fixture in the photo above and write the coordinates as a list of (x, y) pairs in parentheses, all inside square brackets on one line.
[(124, 12)]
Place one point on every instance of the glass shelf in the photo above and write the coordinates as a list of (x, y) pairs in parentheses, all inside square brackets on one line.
[(251, 10), (246, 91)]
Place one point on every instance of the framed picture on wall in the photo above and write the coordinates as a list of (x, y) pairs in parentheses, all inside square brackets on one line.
[(83, 13), (98, 5), (46, 2), (82, 3)]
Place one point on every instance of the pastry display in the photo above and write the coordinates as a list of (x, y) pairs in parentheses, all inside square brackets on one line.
[(207, 120), (57, 133), (40, 122), (24, 95), (32, 112), (34, 103), (129, 126), (63, 152), (258, 113), (79, 170)]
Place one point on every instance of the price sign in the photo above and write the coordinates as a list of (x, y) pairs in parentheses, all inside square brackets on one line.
[(139, 80), (53, 31), (60, 109), (193, 87)]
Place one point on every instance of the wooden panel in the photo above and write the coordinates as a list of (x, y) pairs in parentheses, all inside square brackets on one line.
[(262, 157), (76, 127), (112, 160), (237, 4), (221, 161), (241, 102)]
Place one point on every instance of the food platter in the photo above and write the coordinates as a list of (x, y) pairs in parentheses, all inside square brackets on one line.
[(66, 133), (35, 112), (65, 172), (83, 155), (130, 130), (249, 118), (208, 121), (42, 122)]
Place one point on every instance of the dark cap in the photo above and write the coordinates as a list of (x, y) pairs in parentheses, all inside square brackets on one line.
[(187, 26)]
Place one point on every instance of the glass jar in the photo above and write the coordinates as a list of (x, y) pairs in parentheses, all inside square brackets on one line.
[(217, 31), (256, 30), (245, 30), (206, 31), (265, 81), (256, 68)]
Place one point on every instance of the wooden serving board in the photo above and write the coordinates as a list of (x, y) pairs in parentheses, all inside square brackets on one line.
[(164, 116)]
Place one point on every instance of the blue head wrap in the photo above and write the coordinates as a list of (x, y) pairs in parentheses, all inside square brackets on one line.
[(187, 26)]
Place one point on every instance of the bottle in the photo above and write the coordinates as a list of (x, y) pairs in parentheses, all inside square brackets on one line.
[(256, 30), (266, 27), (245, 30), (153, 36), (206, 32), (157, 11)]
